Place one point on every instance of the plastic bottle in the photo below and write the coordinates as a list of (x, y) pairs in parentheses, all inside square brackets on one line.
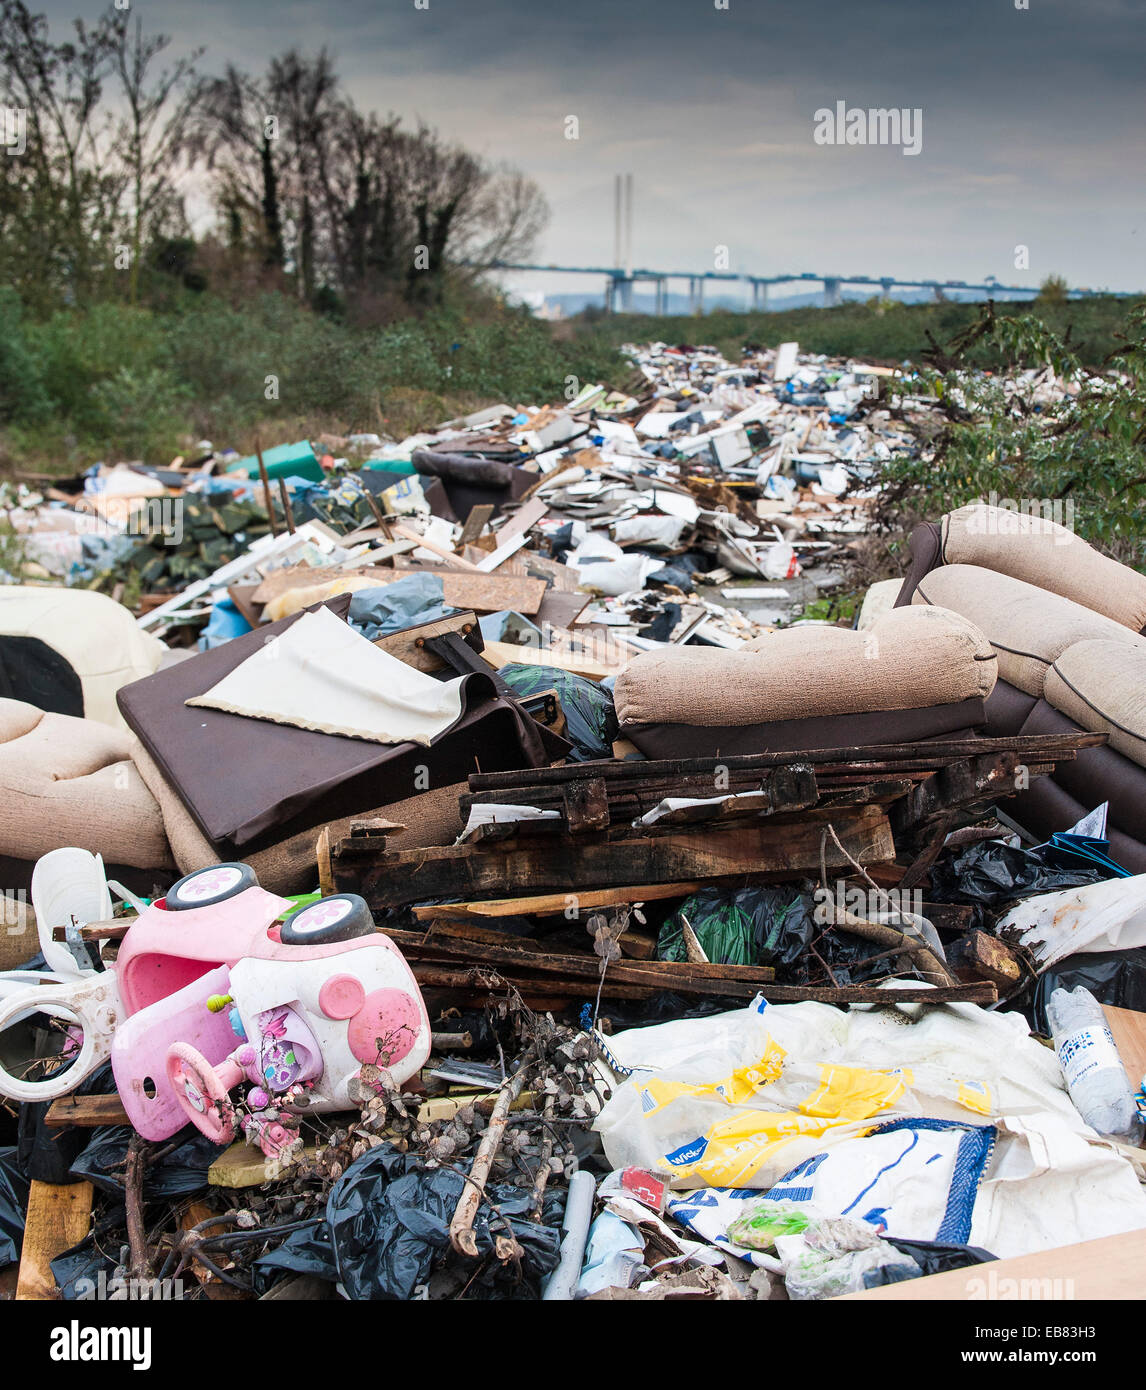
[(1091, 1066)]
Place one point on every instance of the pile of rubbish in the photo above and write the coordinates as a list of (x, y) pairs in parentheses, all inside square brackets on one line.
[(470, 866)]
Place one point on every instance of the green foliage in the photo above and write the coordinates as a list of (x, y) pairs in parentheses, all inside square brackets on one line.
[(1013, 434), (23, 394), (833, 609), (882, 332), (12, 553), (113, 381), (1052, 291)]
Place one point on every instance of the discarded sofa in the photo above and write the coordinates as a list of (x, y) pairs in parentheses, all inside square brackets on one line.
[(74, 781), (198, 784), (1067, 626), (915, 673), (67, 651)]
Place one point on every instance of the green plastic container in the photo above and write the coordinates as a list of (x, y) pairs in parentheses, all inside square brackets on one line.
[(284, 461)]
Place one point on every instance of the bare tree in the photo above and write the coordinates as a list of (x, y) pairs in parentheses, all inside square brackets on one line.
[(155, 130), (235, 133), (505, 220), (302, 92), (69, 187)]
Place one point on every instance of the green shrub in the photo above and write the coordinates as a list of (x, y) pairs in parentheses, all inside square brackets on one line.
[(1003, 434)]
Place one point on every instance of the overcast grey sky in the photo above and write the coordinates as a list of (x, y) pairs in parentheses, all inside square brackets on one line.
[(1034, 120)]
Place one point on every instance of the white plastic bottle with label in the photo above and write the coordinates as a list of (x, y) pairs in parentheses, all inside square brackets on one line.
[(1091, 1066)]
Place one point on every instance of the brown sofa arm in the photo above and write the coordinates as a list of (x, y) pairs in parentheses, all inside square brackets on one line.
[(926, 554)]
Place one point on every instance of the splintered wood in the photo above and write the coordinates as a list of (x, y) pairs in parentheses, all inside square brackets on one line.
[(774, 817)]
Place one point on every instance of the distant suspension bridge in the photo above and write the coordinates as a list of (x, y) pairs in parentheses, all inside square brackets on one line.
[(619, 283)]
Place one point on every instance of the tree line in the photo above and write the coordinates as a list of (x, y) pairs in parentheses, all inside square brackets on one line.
[(105, 135)]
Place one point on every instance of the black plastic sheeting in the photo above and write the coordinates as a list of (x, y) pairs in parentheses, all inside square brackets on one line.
[(84, 1262), (679, 571), (769, 926), (663, 1007), (13, 1207), (992, 873), (306, 1251), (590, 719), (931, 1258), (46, 1153), (180, 1173), (1117, 978), (389, 1220)]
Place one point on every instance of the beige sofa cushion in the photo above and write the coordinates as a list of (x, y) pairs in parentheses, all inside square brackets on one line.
[(910, 658), (1028, 627), (1102, 686), (1046, 555), (67, 781)]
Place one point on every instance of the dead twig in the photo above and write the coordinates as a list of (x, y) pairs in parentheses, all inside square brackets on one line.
[(928, 964), (133, 1198), (543, 1157), (461, 1226)]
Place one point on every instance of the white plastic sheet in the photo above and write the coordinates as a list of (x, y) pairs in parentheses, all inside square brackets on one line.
[(1109, 916), (742, 1100), (321, 674)]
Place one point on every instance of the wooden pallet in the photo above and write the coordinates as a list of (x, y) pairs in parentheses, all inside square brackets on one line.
[(923, 782)]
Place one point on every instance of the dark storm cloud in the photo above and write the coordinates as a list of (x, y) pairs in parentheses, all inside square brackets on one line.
[(1032, 124)]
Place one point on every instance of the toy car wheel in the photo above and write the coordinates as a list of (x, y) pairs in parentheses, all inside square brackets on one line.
[(200, 1093), (337, 918), (205, 887)]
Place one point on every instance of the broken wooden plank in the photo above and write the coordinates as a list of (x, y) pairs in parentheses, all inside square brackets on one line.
[(979, 956), (407, 533), (474, 984), (245, 1165), (558, 578), (637, 945), (477, 982), (570, 864), (888, 758), (527, 515), (785, 790), (113, 930), (409, 645), (467, 931), (485, 593), (561, 608), (958, 917), (475, 523), (550, 904), (586, 805), (510, 953), (767, 791), (920, 866), (1107, 1268), (322, 861), (1128, 1027), (58, 1217), (962, 785), (89, 1112)]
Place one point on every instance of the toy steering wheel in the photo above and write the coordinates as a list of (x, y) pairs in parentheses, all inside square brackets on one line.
[(200, 1093)]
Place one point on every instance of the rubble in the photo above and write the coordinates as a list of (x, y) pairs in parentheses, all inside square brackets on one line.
[(562, 868)]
